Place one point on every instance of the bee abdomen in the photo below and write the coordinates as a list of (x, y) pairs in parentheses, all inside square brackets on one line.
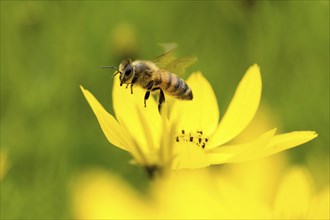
[(176, 87)]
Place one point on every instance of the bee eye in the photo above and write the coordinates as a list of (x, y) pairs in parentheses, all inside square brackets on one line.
[(128, 70)]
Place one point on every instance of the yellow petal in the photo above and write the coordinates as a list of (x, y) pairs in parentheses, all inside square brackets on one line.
[(99, 195), (167, 140), (288, 140), (144, 124), (258, 178), (110, 127), (321, 206), (239, 204), (187, 194), (3, 163), (239, 152), (267, 144), (242, 108), (293, 198), (200, 114), (187, 155), (201, 194)]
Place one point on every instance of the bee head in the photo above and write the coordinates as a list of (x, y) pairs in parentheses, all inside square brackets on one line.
[(126, 71)]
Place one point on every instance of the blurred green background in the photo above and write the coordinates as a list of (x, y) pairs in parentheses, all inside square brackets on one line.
[(48, 49)]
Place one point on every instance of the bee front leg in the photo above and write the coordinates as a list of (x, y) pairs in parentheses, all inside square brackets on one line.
[(131, 88)]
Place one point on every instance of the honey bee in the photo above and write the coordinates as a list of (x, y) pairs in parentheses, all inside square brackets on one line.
[(159, 74)]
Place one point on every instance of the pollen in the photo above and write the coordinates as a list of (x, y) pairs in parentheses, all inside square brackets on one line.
[(195, 138)]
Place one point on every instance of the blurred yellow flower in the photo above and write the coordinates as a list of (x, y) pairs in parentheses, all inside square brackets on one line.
[(196, 194), (188, 135), (199, 194), (100, 195), (288, 191), (203, 194), (3, 163), (296, 197), (123, 41), (182, 195)]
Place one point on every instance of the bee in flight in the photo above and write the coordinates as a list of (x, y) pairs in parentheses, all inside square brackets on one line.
[(159, 74)]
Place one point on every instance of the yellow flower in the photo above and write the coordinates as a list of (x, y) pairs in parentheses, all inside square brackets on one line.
[(3, 163), (100, 195), (184, 194), (143, 132), (188, 133), (287, 191), (202, 194), (296, 197)]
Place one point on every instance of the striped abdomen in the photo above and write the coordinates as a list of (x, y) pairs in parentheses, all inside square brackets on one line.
[(172, 85)]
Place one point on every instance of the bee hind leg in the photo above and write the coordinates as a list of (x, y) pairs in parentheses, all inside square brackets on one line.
[(161, 99)]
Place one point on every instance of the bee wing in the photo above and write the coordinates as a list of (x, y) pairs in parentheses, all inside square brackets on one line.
[(165, 59), (171, 63), (168, 46), (179, 66)]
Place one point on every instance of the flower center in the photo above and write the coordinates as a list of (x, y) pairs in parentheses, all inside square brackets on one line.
[(193, 137)]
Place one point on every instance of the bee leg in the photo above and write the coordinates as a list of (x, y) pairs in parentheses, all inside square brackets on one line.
[(133, 81), (146, 96), (161, 99), (150, 85)]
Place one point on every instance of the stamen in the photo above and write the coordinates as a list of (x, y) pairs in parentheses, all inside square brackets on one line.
[(193, 137)]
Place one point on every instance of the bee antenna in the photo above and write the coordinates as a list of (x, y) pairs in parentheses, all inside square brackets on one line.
[(112, 67)]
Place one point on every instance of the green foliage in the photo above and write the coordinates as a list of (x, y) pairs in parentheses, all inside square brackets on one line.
[(49, 48)]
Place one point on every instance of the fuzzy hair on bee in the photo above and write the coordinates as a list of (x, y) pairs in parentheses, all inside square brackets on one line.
[(151, 77)]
